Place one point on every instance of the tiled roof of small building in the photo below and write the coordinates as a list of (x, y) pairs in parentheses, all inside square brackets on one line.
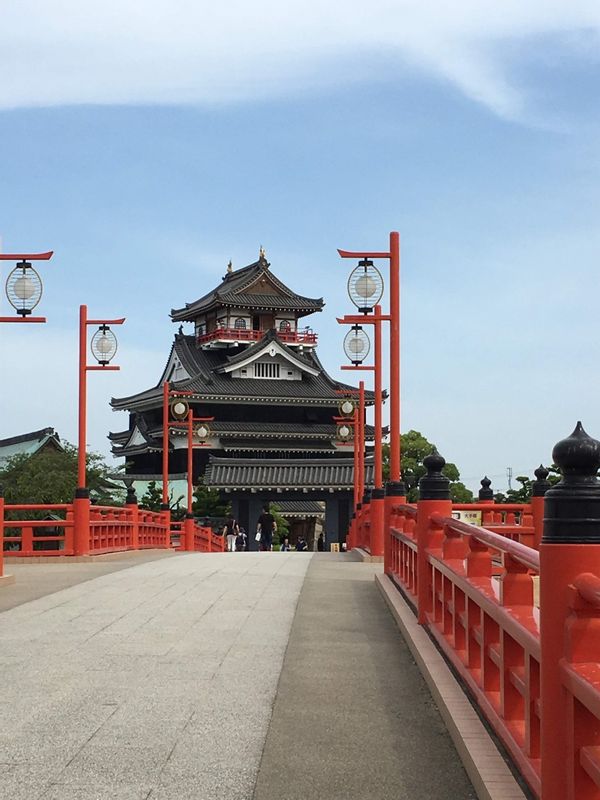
[(28, 443), (269, 474)]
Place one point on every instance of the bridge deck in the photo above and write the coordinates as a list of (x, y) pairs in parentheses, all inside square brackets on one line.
[(237, 677)]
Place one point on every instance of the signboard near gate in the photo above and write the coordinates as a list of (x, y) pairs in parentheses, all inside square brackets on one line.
[(472, 517)]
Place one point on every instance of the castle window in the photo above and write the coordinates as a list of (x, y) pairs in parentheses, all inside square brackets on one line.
[(240, 323), (266, 369)]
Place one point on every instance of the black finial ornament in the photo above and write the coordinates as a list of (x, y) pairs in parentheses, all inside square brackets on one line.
[(541, 484), (434, 485), (486, 493), (366, 498), (131, 497), (395, 489), (572, 507)]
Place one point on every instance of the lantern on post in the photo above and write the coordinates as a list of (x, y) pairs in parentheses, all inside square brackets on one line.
[(24, 287), (365, 286), (104, 345), (357, 344)]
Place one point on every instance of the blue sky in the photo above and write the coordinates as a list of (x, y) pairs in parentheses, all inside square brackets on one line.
[(147, 156)]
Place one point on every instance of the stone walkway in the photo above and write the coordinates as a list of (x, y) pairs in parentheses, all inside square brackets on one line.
[(160, 681)]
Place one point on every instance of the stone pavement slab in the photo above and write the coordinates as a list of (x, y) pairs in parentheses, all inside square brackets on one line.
[(353, 718), (35, 578), (152, 682)]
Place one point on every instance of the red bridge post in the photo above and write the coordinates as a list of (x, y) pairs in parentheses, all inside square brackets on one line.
[(539, 488), (395, 493), (434, 498), (131, 504), (81, 522), (570, 546), (1, 531)]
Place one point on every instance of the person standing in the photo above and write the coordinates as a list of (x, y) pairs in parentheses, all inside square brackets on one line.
[(320, 543), (301, 545), (231, 530), (265, 527), (285, 546)]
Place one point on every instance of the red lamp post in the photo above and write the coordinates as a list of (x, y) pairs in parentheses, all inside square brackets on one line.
[(184, 418), (23, 291), (393, 256), (104, 348), (358, 439), (395, 491), (377, 496), (24, 285)]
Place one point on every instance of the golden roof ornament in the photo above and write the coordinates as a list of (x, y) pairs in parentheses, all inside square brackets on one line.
[(262, 256)]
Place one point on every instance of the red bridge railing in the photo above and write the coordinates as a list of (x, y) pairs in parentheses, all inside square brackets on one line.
[(30, 530), (521, 626)]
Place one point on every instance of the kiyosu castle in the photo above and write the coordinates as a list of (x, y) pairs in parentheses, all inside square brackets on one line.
[(251, 362)]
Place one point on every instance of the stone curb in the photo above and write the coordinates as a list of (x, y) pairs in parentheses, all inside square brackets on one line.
[(6, 580), (366, 556), (489, 773)]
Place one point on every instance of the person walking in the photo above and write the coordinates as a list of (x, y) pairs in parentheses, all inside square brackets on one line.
[(320, 543), (285, 545), (240, 541), (301, 544), (265, 527), (231, 530)]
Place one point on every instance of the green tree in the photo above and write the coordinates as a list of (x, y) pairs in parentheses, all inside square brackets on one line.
[(208, 503), (151, 500), (282, 523), (414, 447), (523, 493), (51, 477)]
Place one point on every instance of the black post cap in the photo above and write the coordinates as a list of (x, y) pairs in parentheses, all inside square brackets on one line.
[(572, 507), (366, 498), (395, 489), (377, 494), (189, 516), (82, 492), (131, 496), (434, 485), (486, 493), (540, 485), (165, 507), (1, 490)]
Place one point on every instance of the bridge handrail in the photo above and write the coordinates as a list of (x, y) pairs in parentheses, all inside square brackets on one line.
[(520, 552)]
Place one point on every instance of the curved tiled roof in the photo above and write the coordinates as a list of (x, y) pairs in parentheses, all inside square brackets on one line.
[(269, 474), (232, 292), (212, 387)]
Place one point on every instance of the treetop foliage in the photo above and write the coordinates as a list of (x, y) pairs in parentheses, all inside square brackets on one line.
[(414, 447), (50, 476)]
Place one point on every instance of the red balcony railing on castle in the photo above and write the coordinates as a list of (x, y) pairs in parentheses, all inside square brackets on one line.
[(307, 338)]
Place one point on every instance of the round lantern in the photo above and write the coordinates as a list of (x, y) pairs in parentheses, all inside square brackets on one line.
[(24, 288), (357, 344), (365, 286), (104, 345)]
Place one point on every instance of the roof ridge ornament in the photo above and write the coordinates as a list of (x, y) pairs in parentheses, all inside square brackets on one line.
[(262, 257), (230, 267)]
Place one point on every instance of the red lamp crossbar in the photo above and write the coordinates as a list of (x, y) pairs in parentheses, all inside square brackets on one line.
[(26, 256)]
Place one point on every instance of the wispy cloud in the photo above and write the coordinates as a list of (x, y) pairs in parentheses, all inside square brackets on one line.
[(194, 52)]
